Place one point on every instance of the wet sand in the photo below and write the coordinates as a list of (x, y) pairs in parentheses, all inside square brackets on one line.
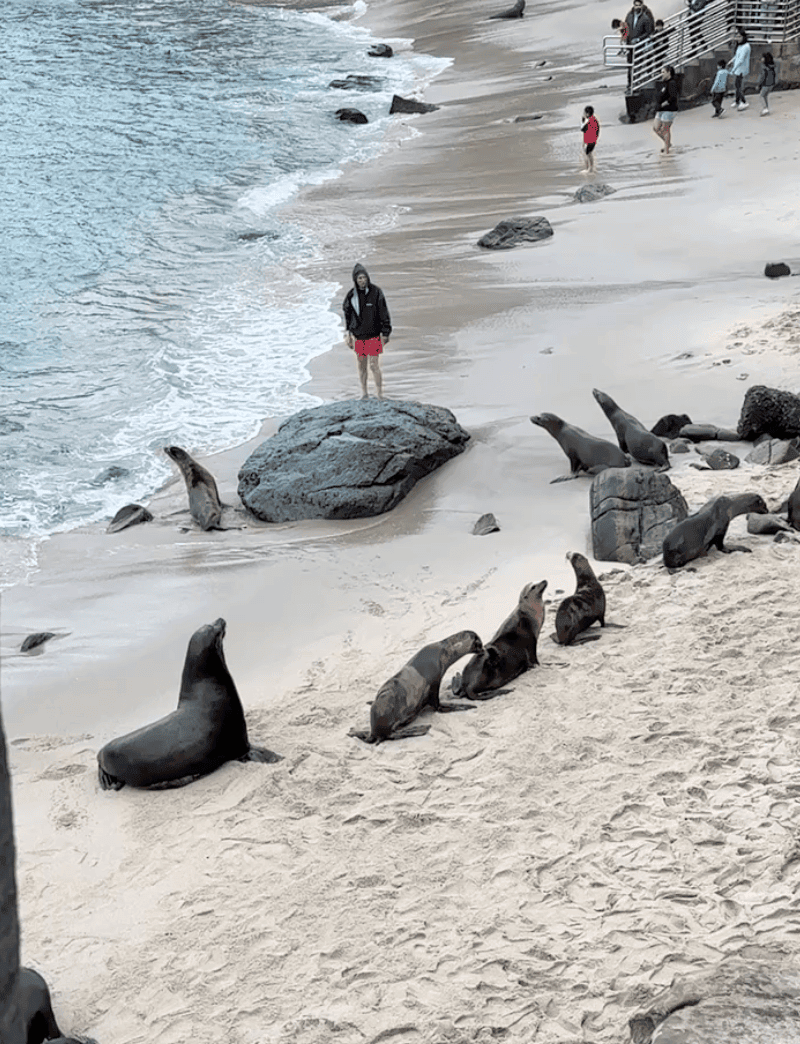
[(543, 864)]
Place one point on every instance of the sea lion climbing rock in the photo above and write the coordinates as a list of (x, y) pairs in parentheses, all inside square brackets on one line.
[(511, 652), (696, 535), (586, 453), (204, 503), (414, 687), (580, 610), (632, 435), (206, 730)]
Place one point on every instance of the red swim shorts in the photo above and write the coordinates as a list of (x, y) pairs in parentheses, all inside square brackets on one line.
[(372, 346)]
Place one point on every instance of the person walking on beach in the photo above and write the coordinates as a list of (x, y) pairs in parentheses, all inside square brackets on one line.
[(667, 107), (739, 65), (718, 87), (368, 326), (766, 80), (590, 126)]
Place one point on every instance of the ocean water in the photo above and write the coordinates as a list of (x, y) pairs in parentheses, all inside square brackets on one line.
[(150, 288)]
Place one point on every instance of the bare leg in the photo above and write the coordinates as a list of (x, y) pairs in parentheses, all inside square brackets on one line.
[(377, 376), (590, 158), (667, 136), (362, 375)]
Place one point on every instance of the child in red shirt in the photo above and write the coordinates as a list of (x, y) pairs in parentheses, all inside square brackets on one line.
[(590, 126)]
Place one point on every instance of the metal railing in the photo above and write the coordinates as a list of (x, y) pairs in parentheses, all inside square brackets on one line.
[(688, 36)]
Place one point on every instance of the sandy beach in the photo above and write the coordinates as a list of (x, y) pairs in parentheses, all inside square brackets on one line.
[(540, 867)]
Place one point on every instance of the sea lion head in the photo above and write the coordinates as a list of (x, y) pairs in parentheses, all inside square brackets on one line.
[(180, 456), (549, 421), (205, 653)]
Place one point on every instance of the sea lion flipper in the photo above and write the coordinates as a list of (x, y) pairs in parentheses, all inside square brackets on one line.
[(580, 639), (490, 695), (446, 708), (261, 754), (564, 478), (108, 782), (735, 547), (362, 734)]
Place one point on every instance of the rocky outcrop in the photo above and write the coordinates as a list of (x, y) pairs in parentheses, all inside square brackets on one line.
[(351, 116), (11, 1031), (769, 411), (632, 510), (350, 459), (380, 50), (739, 1001), (774, 451), (516, 11), (776, 269), (669, 426), (409, 105), (591, 193), (513, 231)]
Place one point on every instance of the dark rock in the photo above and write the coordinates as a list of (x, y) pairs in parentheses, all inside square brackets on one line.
[(356, 83), (740, 1001), (380, 50), (527, 119), (769, 410), (774, 451), (33, 641), (632, 510), (592, 192), (410, 105), (774, 270), (669, 426), (252, 237), (708, 432), (486, 524), (350, 459), (351, 116), (512, 232), (110, 474), (721, 460), (516, 11), (766, 525), (680, 446), (130, 515)]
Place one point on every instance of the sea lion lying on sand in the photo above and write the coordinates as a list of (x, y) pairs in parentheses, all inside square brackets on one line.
[(511, 652)]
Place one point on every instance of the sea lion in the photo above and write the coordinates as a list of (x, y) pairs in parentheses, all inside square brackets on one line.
[(696, 535), (632, 435), (204, 502), (415, 686), (511, 652), (580, 610), (767, 525), (130, 515), (33, 641), (586, 452), (793, 507), (206, 730), (35, 1006)]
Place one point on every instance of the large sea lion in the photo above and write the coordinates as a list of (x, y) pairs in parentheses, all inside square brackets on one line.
[(696, 535), (204, 503), (415, 686), (586, 453), (206, 730), (580, 610), (511, 652), (632, 435)]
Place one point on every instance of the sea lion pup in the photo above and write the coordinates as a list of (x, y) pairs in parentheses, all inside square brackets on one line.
[(206, 730), (632, 435), (130, 515), (415, 686), (511, 652), (586, 453), (204, 503), (580, 610), (696, 535)]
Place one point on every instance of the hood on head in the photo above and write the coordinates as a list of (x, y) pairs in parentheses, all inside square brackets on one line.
[(357, 270)]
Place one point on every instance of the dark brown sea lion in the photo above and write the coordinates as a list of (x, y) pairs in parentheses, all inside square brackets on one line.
[(696, 535), (204, 503), (33, 641), (580, 610), (586, 453), (793, 506), (206, 730), (511, 652), (632, 435), (415, 686), (130, 515)]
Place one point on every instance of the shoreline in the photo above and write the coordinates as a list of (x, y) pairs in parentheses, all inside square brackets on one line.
[(538, 867)]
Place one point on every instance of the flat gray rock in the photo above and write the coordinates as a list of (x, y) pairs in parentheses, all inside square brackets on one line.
[(350, 459), (513, 231), (721, 460), (486, 524), (632, 510), (773, 451), (592, 192), (708, 433)]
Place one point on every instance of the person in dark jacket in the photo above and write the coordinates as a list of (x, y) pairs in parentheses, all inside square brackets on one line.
[(640, 22), (367, 327), (667, 107)]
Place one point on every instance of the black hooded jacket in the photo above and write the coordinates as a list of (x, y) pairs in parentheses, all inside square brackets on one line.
[(366, 313)]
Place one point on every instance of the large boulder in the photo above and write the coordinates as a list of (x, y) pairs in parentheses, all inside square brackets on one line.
[(632, 510), (770, 411), (348, 459), (774, 451), (513, 231)]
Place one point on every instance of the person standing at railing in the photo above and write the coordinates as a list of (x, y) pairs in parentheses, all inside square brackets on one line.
[(698, 43), (766, 80), (739, 65), (718, 87), (641, 24), (667, 107)]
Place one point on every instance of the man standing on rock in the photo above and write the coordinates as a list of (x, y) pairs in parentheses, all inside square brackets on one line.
[(368, 326)]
